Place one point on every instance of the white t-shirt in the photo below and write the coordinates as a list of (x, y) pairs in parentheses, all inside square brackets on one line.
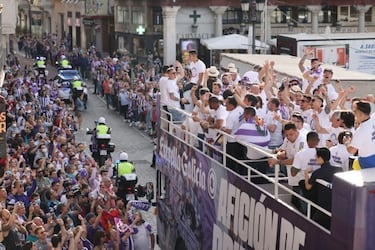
[(303, 160), (196, 68), (141, 236), (340, 156), (291, 148), (163, 90), (220, 114), (276, 136), (307, 116), (233, 120), (324, 123), (364, 138), (172, 87)]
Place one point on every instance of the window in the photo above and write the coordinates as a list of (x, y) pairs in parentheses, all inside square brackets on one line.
[(368, 15), (78, 15), (122, 14), (121, 42), (325, 16), (232, 15), (70, 14), (281, 15), (304, 15), (348, 13), (138, 16), (157, 16)]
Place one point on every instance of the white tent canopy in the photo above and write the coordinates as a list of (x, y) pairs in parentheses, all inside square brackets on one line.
[(232, 41)]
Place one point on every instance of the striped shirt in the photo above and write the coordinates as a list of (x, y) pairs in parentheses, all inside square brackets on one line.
[(248, 132)]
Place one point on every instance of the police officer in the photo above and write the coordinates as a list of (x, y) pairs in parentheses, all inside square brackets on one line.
[(40, 62), (77, 88), (64, 63), (124, 167), (102, 130)]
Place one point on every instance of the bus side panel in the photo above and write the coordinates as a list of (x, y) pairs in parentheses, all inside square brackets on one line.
[(206, 206)]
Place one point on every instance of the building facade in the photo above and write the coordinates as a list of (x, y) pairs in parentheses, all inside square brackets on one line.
[(166, 27)]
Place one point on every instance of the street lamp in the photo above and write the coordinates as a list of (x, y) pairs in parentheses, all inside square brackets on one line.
[(245, 6)]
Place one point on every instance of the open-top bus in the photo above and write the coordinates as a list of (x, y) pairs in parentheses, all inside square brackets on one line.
[(204, 205)]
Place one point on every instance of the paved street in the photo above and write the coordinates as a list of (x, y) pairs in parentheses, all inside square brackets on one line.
[(129, 139), (136, 143)]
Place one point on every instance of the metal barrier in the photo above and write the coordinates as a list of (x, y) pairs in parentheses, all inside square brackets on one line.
[(176, 131)]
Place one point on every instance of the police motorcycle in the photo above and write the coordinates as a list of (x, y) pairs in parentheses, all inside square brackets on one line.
[(127, 187), (40, 68), (101, 146)]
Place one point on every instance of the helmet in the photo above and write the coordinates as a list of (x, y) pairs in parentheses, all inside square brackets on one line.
[(123, 156), (37, 58), (75, 78), (101, 120), (63, 57)]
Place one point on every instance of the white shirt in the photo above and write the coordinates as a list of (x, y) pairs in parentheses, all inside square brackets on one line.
[(324, 122), (196, 68), (172, 87), (220, 114), (141, 236), (163, 90), (276, 136), (291, 148), (303, 160), (307, 117), (364, 138), (234, 120), (340, 156)]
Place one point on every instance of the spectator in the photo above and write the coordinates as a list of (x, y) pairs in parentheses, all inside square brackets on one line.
[(143, 235), (325, 172)]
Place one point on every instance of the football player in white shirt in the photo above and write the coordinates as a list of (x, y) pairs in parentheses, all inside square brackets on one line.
[(339, 153), (364, 136), (320, 115), (305, 160), (233, 122), (216, 120), (293, 143), (273, 125), (197, 68)]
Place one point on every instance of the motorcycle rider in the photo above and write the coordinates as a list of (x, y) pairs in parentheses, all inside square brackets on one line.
[(40, 63), (64, 63), (77, 88), (102, 130), (124, 166), (126, 179)]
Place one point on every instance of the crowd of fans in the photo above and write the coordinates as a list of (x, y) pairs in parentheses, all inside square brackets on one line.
[(53, 194), (313, 125)]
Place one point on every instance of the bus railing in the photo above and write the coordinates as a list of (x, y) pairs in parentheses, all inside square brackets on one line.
[(184, 135)]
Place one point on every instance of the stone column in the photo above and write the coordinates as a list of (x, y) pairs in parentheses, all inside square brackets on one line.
[(315, 9), (362, 9), (267, 25), (219, 11), (169, 33)]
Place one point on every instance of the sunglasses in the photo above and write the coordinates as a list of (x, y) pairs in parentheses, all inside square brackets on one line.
[(305, 100)]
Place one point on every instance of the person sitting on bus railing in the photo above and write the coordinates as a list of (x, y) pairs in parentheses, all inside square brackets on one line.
[(325, 172)]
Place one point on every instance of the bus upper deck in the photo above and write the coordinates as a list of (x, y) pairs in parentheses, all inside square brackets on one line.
[(205, 205)]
